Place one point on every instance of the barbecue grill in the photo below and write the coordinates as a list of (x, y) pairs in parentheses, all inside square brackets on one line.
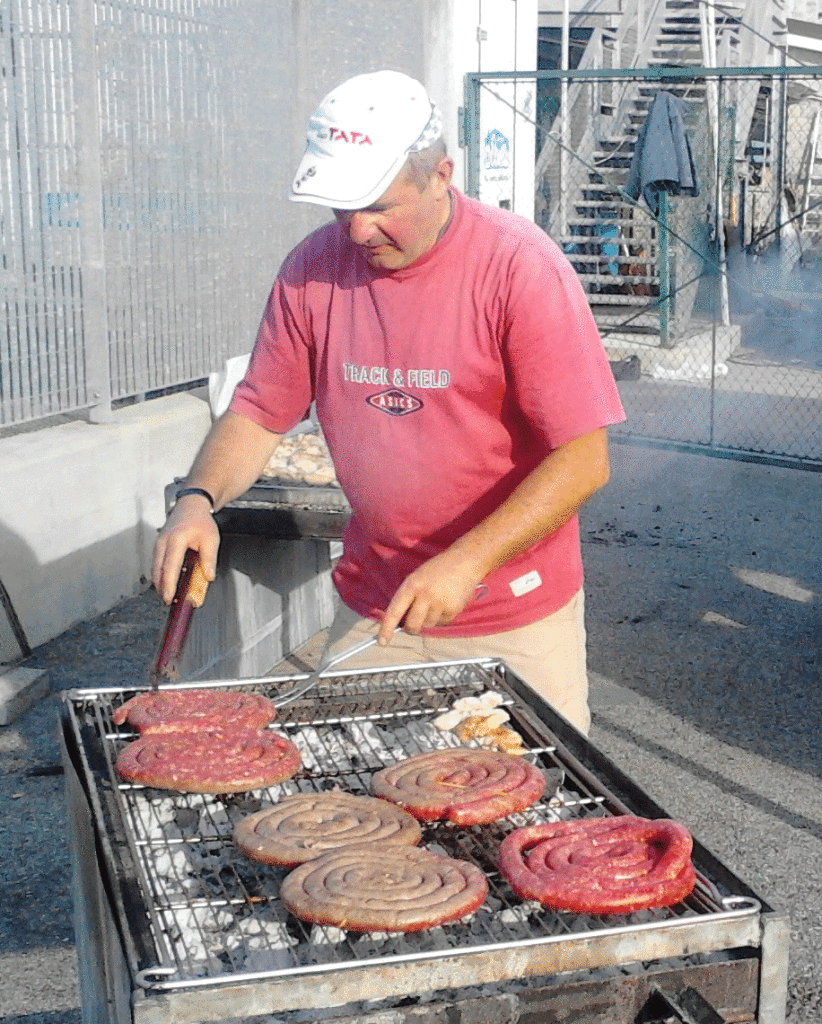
[(284, 508), (175, 926)]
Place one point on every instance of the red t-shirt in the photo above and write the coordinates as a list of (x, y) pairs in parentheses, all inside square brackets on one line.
[(438, 387)]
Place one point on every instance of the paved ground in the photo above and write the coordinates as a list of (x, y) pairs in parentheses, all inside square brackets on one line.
[(704, 584)]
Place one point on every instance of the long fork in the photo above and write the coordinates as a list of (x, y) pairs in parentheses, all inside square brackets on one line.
[(325, 664)]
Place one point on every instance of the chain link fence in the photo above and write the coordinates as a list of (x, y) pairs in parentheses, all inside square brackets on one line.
[(689, 201)]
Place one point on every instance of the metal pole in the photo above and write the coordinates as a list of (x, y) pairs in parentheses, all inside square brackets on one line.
[(664, 272), (14, 622), (472, 88), (780, 166), (564, 184), (722, 260), (642, 28), (92, 246)]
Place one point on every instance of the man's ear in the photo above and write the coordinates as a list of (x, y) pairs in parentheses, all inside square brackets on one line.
[(441, 178)]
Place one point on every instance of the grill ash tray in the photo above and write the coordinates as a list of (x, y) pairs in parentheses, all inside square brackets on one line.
[(192, 911)]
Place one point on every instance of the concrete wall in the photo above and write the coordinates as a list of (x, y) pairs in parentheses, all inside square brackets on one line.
[(80, 505)]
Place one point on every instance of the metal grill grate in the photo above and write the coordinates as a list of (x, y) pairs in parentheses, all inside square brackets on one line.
[(208, 914)]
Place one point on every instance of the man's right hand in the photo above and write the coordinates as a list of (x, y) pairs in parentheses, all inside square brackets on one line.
[(189, 525), (233, 455)]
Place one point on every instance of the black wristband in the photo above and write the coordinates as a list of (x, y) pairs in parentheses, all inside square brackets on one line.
[(195, 490)]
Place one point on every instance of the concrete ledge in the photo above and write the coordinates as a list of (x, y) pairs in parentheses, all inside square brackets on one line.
[(690, 358), (80, 506), (20, 688)]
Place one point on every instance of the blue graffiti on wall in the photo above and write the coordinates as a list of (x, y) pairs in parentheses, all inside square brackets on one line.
[(496, 151)]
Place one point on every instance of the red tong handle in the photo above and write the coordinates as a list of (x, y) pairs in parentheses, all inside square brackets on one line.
[(189, 595)]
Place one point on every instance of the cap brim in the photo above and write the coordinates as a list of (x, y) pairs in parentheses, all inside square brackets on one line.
[(342, 183)]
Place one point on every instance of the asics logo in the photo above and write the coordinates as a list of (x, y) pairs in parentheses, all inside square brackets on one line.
[(394, 402)]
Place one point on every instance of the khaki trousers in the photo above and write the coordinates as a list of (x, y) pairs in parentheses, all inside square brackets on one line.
[(548, 655)]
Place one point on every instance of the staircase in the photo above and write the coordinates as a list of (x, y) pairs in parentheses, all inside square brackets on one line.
[(613, 243)]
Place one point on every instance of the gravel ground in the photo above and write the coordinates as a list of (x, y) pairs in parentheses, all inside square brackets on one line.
[(703, 608)]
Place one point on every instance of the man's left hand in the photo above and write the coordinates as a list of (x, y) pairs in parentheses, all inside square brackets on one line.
[(432, 595)]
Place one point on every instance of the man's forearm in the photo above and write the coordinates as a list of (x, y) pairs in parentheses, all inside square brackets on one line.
[(440, 588), (546, 499), (232, 457), (230, 460)]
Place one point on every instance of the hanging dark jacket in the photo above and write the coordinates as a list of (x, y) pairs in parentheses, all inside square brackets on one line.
[(662, 160)]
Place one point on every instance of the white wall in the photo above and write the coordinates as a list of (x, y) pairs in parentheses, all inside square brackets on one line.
[(806, 10), (508, 43), (488, 35)]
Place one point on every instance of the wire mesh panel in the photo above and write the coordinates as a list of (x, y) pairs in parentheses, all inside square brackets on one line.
[(42, 366), (689, 202), (163, 139), (121, 200), (146, 154)]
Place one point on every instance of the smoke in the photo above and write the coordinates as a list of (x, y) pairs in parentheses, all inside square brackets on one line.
[(777, 297)]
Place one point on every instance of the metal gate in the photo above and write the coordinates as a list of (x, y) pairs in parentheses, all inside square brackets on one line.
[(707, 285)]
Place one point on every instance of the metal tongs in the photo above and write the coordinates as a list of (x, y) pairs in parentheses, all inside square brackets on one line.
[(190, 594), (325, 664)]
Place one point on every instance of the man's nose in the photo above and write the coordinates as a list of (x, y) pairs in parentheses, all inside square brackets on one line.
[(359, 225)]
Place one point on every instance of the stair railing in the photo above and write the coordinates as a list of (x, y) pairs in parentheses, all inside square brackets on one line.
[(578, 108), (728, 28), (810, 157), (641, 22), (761, 24)]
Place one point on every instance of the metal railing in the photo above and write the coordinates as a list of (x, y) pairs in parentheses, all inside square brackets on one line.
[(114, 236)]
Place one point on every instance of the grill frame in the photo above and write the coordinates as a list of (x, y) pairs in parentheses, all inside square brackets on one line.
[(752, 925)]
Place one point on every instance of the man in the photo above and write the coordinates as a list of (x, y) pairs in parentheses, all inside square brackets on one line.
[(462, 389)]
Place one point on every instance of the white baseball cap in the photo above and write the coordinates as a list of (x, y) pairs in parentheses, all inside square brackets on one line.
[(360, 136)]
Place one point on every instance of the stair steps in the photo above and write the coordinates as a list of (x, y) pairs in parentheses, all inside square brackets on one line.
[(601, 258)]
